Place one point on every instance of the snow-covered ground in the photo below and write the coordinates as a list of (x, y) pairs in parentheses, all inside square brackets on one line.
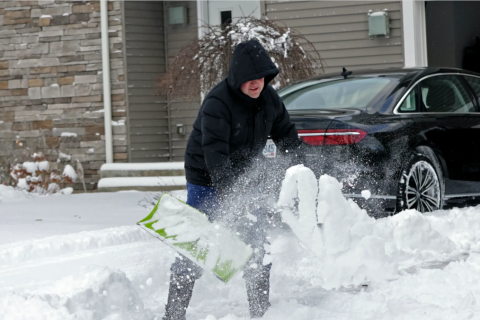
[(82, 257)]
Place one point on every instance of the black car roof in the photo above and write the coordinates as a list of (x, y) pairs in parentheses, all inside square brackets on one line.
[(420, 71)]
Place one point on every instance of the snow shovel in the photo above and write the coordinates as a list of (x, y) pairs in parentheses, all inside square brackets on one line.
[(189, 232)]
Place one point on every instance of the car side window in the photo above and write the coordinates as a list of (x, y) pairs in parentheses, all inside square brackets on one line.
[(410, 102), (445, 94), (475, 84)]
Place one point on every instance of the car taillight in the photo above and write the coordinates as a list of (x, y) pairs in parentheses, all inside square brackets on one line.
[(312, 137), (331, 136)]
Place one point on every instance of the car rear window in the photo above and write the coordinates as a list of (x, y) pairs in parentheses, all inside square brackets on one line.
[(339, 93)]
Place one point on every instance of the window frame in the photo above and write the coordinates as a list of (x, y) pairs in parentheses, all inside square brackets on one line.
[(415, 86)]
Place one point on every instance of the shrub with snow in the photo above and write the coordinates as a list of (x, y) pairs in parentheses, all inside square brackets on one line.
[(27, 168), (204, 62), (36, 176)]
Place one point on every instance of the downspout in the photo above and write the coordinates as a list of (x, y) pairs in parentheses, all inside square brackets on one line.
[(107, 99), (125, 79), (169, 110), (202, 19)]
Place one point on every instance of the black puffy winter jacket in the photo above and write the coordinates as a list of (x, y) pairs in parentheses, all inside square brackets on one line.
[(231, 128)]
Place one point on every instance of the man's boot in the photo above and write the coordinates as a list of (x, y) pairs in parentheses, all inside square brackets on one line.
[(179, 295), (258, 291)]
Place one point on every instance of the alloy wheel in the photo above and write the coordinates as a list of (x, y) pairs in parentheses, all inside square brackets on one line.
[(422, 188)]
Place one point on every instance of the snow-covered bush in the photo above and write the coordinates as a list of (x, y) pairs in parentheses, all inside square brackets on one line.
[(27, 169), (201, 64), (36, 176)]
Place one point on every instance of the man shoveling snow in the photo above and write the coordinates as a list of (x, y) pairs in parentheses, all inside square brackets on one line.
[(230, 132)]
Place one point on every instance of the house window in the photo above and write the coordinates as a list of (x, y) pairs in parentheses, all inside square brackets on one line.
[(177, 15), (225, 18)]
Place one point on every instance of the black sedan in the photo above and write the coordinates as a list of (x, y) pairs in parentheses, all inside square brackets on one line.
[(411, 137)]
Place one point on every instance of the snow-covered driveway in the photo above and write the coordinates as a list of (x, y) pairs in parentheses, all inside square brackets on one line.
[(82, 257)]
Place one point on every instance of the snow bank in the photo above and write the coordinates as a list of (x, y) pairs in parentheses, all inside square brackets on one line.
[(448, 293), (8, 193), (432, 258), (67, 190), (356, 249), (20, 252), (92, 293)]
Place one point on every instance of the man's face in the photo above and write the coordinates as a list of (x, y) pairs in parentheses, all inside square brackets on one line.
[(253, 88)]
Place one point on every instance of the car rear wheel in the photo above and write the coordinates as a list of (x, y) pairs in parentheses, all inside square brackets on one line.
[(421, 186)]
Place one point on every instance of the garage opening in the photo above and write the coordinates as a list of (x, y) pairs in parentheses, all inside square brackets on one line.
[(453, 34)]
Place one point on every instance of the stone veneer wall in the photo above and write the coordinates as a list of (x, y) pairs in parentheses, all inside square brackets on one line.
[(51, 92)]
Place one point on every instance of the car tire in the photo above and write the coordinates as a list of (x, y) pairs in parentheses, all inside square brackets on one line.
[(421, 185)]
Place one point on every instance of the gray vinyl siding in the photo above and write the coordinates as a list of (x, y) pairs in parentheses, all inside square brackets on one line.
[(339, 31), (183, 112), (151, 120), (147, 113)]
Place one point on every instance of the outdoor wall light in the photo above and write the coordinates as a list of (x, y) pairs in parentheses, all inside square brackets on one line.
[(378, 24), (177, 15), (180, 128)]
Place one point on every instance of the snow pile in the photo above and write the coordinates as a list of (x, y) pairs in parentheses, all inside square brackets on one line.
[(118, 123), (449, 293), (103, 267), (300, 183), (8, 193), (67, 190), (20, 252), (353, 247), (64, 157), (68, 134), (462, 226), (91, 293)]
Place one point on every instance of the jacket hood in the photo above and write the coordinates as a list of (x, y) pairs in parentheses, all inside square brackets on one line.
[(250, 61)]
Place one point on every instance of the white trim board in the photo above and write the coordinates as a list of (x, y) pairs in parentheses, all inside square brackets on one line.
[(414, 33)]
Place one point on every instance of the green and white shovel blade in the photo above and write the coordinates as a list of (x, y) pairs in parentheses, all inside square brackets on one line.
[(189, 232)]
